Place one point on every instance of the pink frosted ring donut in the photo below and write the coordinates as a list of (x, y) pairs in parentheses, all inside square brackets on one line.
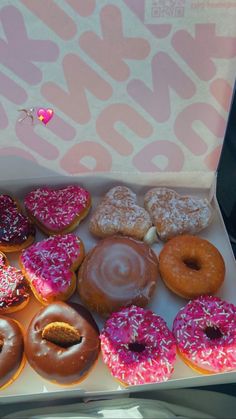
[(138, 347), (206, 335)]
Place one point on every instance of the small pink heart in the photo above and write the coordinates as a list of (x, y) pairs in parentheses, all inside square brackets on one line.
[(44, 115)]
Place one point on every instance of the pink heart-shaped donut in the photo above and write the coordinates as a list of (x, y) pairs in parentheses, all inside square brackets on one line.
[(49, 267), (57, 211)]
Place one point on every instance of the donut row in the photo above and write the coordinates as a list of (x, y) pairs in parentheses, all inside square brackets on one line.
[(117, 272), (119, 265), (116, 279), (62, 343), (59, 211)]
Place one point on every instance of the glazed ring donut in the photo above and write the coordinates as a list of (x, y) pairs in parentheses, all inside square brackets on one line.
[(206, 336), (12, 359), (138, 347), (62, 343), (191, 266)]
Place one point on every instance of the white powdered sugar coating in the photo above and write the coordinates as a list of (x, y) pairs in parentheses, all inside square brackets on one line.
[(119, 212), (174, 214)]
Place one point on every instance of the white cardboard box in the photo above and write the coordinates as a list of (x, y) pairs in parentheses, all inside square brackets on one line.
[(30, 385)]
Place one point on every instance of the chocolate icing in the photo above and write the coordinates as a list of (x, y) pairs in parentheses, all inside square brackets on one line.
[(15, 228), (12, 349), (53, 362), (118, 272)]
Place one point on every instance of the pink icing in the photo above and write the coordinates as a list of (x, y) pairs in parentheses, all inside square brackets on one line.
[(12, 285), (57, 209), (205, 330), (48, 264), (2, 260), (138, 347)]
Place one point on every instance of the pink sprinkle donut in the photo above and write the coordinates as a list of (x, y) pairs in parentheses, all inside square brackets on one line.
[(205, 331), (138, 347), (57, 211), (49, 267)]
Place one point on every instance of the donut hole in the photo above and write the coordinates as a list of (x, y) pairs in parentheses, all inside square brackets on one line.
[(192, 263), (213, 332), (136, 347), (61, 334)]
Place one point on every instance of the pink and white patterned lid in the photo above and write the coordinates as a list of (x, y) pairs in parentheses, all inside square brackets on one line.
[(140, 84)]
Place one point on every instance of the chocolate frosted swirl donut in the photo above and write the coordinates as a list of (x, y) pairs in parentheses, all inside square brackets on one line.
[(118, 272), (12, 358), (62, 343)]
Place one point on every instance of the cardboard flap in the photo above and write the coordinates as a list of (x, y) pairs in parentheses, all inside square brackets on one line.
[(135, 85)]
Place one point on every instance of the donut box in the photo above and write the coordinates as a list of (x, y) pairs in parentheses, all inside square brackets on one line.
[(138, 102), (99, 382)]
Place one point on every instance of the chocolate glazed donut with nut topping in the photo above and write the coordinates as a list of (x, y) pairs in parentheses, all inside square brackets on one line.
[(62, 343)]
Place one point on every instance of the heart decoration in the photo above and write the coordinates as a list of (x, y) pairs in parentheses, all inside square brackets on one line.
[(16, 230), (58, 211), (45, 115), (14, 293), (119, 213), (174, 214), (49, 267)]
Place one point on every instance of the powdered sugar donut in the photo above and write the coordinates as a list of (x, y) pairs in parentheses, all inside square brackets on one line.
[(174, 214), (206, 335), (191, 266), (12, 359), (50, 265), (57, 211), (119, 213), (137, 346)]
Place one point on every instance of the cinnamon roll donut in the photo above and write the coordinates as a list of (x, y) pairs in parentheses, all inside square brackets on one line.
[(118, 272)]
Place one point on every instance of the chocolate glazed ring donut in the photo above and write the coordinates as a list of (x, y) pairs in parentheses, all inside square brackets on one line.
[(12, 358), (62, 343)]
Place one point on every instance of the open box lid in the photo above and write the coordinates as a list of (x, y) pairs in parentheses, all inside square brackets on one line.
[(135, 85)]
